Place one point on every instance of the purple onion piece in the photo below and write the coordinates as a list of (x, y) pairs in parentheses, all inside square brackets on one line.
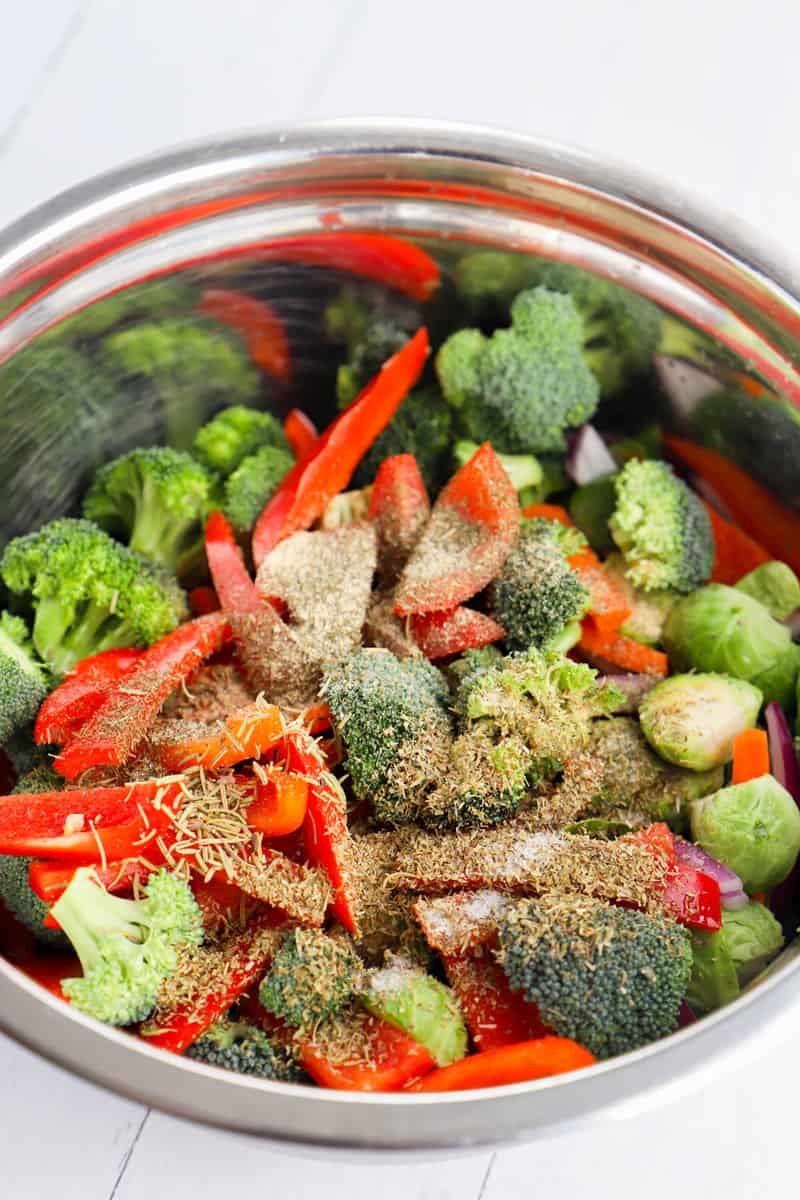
[(782, 757), (732, 892), (793, 622), (589, 458), (685, 1015)]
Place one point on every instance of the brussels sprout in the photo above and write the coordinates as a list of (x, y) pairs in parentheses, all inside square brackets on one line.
[(752, 936), (649, 610), (753, 828), (719, 628), (775, 585), (714, 981), (691, 720)]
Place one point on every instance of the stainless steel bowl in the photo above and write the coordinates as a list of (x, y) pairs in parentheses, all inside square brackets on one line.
[(213, 205)]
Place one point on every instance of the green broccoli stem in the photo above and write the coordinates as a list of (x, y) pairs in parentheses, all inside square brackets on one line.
[(682, 341), (182, 416), (86, 911), (160, 536), (63, 638)]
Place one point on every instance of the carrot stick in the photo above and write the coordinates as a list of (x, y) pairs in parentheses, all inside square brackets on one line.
[(620, 651), (550, 512), (517, 1063), (753, 506), (248, 733), (750, 755)]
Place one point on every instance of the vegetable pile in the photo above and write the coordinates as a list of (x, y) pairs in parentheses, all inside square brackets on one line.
[(443, 748)]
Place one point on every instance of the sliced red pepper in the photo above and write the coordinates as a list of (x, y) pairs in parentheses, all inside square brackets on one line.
[(49, 971), (113, 823), (245, 957), (735, 553), (203, 600), (752, 506), (248, 733), (258, 325), (17, 943), (301, 433), (691, 897), (326, 836), (519, 1063), (236, 590), (49, 879), (379, 256), (81, 693), (390, 1058), (311, 484), (280, 804), (439, 635), (495, 1016), (399, 508), (466, 541), (221, 902), (113, 732)]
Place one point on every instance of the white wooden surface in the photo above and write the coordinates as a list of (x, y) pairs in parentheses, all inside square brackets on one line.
[(706, 93)]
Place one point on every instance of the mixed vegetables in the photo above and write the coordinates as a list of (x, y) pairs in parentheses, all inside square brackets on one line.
[(444, 748)]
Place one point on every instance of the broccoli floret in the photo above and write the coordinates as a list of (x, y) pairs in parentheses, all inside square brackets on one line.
[(188, 367), (382, 337), (143, 301), (636, 784), (234, 434), (250, 486), (661, 528), (537, 593), (244, 1048), (392, 716), (488, 280), (481, 783), (611, 978), (422, 427), (156, 500), (524, 386), (16, 892), (88, 592), (127, 948), (544, 702), (23, 680), (312, 978), (472, 662)]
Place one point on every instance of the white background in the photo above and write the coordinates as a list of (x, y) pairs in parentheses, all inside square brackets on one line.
[(704, 92)]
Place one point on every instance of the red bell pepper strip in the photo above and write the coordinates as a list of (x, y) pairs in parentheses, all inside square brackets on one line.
[(49, 879), (389, 1060), (466, 541), (49, 970), (236, 590), (89, 825), (221, 902), (17, 943), (519, 1063), (325, 832), (613, 648), (494, 1015), (388, 260), (399, 508), (752, 505), (280, 804), (691, 897), (203, 600), (258, 325), (735, 553), (243, 959), (312, 482), (439, 635), (111, 735), (81, 693), (248, 733), (301, 433)]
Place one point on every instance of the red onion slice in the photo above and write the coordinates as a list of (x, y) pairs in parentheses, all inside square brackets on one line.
[(782, 757), (685, 1015), (589, 458), (731, 890), (793, 621)]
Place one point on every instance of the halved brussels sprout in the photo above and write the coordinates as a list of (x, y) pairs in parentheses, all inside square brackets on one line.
[(714, 981), (691, 720), (752, 936), (775, 585), (753, 828)]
